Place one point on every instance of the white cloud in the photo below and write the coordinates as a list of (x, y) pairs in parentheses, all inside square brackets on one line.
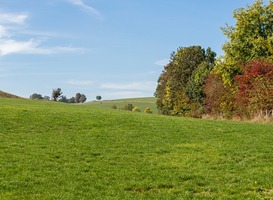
[(13, 18), (163, 62), (86, 7), (80, 83), (10, 46), (3, 32), (137, 86)]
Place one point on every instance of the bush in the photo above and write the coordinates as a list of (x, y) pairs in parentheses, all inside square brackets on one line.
[(128, 107), (148, 110), (136, 109), (114, 107)]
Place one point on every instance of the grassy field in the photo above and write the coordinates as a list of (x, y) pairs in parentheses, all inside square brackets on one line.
[(141, 103), (52, 150)]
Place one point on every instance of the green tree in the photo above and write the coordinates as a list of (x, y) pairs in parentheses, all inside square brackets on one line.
[(56, 93), (82, 98), (63, 99), (36, 96), (98, 98), (251, 37), (174, 91), (72, 100), (77, 97)]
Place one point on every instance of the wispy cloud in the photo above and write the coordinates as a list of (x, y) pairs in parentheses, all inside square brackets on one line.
[(10, 44), (13, 18), (86, 7), (3, 32), (83, 83), (162, 62), (137, 86)]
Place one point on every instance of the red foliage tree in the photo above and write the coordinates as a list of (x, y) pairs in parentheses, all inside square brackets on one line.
[(255, 88)]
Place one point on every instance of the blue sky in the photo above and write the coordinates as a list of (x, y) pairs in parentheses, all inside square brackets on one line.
[(113, 48)]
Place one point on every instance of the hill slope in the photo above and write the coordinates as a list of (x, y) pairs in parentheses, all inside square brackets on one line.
[(51, 150), (142, 103), (7, 95)]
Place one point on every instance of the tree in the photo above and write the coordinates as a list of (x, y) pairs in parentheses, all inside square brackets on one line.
[(63, 99), (56, 93), (72, 100), (181, 82), (98, 98), (46, 98), (36, 96), (255, 91), (77, 97), (250, 38), (82, 98)]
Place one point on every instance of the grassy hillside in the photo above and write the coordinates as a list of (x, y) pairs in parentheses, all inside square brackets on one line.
[(7, 95), (142, 103), (52, 150)]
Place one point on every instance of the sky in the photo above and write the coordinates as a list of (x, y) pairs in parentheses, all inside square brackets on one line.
[(112, 48)]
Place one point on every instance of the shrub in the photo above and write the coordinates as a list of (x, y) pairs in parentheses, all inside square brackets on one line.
[(148, 110), (114, 107), (136, 109), (128, 107)]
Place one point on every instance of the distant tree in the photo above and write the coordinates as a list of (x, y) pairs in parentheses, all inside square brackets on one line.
[(98, 98), (46, 98), (82, 98), (36, 96), (63, 99), (56, 93), (77, 97), (72, 100)]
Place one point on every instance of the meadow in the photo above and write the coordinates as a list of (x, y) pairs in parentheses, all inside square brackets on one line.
[(52, 150), (141, 103)]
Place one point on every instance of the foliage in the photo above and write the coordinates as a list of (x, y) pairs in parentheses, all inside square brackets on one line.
[(63, 99), (181, 82), (136, 109), (36, 96), (80, 98), (250, 38), (114, 107), (148, 110), (98, 98), (56, 94), (77, 97), (128, 107), (255, 88), (72, 100)]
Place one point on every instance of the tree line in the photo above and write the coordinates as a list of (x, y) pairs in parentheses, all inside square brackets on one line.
[(237, 84), (57, 95)]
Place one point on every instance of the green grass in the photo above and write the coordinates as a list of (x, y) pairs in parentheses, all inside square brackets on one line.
[(52, 150), (142, 103)]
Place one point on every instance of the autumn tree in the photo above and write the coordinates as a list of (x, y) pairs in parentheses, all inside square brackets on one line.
[(255, 92), (174, 91), (250, 38)]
